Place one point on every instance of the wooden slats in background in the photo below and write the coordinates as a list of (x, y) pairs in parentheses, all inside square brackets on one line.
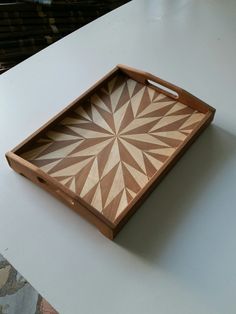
[(27, 27)]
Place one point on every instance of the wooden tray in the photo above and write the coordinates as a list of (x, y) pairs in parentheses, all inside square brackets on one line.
[(106, 151)]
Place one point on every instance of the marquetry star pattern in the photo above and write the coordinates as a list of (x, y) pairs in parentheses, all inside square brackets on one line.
[(108, 148)]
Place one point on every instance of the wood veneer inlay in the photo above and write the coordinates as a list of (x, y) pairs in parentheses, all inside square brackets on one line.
[(109, 147)]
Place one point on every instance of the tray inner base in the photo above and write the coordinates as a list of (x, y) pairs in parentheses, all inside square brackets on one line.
[(112, 144)]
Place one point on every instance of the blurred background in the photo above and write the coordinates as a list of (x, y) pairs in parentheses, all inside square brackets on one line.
[(29, 26)]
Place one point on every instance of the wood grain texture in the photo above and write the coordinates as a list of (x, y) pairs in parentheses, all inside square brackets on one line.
[(110, 146)]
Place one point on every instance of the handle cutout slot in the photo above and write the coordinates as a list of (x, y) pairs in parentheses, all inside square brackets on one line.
[(167, 91), (41, 180), (60, 193)]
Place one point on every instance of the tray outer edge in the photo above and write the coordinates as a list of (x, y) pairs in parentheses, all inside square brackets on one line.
[(21, 165), (151, 185), (185, 98), (56, 118), (56, 189), (108, 228)]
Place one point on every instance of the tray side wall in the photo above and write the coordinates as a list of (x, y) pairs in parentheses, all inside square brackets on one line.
[(130, 211), (178, 94), (53, 121), (32, 173)]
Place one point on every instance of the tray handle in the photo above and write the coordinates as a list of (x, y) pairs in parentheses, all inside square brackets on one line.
[(166, 88), (153, 81)]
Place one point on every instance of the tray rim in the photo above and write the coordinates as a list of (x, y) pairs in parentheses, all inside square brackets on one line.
[(142, 77)]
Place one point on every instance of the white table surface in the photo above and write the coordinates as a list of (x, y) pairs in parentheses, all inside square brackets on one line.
[(178, 253)]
